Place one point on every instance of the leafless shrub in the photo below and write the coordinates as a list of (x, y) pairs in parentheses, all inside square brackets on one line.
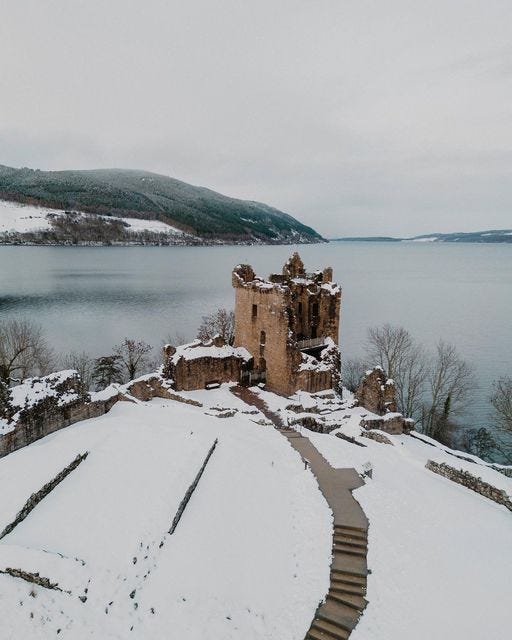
[(81, 362), (221, 322), (133, 356), (23, 351)]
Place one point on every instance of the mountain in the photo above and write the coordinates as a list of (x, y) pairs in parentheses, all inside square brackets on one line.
[(122, 193), (491, 236), (494, 235)]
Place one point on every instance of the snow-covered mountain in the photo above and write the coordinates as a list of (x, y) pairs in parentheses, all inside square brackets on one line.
[(123, 193)]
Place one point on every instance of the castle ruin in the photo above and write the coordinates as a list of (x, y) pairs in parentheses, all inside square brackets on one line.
[(286, 335), (290, 325)]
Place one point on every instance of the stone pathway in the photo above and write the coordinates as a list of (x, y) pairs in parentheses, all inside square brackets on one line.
[(337, 616)]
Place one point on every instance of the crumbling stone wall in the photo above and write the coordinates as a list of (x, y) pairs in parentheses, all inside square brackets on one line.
[(197, 365), (394, 424), (51, 413), (376, 392), (470, 481), (148, 387)]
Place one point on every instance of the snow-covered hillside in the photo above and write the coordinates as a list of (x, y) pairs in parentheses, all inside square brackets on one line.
[(439, 554), (15, 217), (250, 557)]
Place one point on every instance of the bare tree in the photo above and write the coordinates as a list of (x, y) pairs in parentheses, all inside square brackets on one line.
[(352, 370), (81, 362), (23, 351), (387, 346), (410, 377), (405, 361), (133, 355), (501, 402), (450, 382), (221, 322)]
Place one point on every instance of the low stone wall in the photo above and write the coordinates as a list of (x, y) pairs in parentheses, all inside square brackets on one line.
[(378, 437), (33, 578), (394, 425), (36, 498), (470, 482), (191, 489), (150, 387)]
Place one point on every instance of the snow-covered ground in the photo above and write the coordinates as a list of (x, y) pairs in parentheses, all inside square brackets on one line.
[(440, 555), (249, 558), (24, 218)]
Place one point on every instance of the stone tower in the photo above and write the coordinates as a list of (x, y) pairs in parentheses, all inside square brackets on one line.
[(290, 325)]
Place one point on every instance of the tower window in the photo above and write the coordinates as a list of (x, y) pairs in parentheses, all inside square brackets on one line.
[(263, 337), (254, 310)]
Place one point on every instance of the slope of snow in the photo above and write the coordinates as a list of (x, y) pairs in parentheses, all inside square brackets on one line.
[(23, 218), (15, 217), (439, 554), (249, 558)]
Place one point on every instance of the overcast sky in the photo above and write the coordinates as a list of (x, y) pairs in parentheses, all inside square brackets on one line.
[(358, 117)]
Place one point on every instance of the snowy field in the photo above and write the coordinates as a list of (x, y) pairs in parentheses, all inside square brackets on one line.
[(249, 558), (21, 218)]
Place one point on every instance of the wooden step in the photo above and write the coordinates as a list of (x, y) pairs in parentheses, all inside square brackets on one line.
[(349, 563), (355, 601), (351, 542), (338, 614), (348, 587), (360, 534), (352, 577), (351, 551), (328, 630), (342, 525)]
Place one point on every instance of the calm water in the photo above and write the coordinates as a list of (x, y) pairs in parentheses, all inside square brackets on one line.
[(90, 298)]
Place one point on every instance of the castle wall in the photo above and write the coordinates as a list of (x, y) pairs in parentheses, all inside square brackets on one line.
[(262, 327), (197, 374), (65, 402)]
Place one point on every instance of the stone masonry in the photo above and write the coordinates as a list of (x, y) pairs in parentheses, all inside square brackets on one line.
[(377, 393), (198, 365), (290, 326)]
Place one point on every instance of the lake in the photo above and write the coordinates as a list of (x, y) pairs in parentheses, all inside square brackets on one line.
[(89, 298)]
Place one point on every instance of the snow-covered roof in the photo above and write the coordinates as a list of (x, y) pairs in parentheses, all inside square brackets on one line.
[(197, 349), (33, 390)]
